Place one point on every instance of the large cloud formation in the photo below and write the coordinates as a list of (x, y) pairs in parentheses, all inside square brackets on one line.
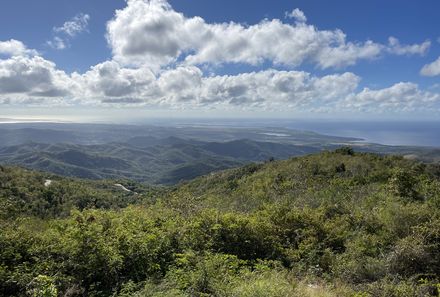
[(159, 54), (186, 86), (152, 33), (402, 96), (32, 80)]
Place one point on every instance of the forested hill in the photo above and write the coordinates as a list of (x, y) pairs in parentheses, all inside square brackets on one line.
[(25, 193), (332, 224)]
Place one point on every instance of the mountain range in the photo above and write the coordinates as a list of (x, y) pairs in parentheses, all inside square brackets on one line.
[(147, 159), (165, 154)]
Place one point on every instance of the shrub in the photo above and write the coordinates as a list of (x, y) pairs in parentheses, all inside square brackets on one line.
[(345, 150), (402, 184)]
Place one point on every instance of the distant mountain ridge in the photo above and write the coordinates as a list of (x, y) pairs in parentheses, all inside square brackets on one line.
[(149, 159), (165, 154)]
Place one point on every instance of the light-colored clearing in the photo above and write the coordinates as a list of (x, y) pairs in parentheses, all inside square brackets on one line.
[(123, 188)]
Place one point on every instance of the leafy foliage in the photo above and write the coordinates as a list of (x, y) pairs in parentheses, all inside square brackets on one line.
[(25, 193), (300, 227)]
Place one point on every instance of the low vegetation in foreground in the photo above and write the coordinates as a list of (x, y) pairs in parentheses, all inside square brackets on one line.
[(331, 224)]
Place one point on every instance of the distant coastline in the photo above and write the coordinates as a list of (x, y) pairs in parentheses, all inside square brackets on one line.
[(29, 120)]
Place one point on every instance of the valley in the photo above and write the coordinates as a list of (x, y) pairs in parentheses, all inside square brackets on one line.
[(165, 154)]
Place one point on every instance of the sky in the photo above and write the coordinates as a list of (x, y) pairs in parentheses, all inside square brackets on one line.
[(197, 58)]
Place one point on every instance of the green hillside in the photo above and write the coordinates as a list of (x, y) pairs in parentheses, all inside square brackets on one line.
[(331, 224), (145, 159), (25, 193)]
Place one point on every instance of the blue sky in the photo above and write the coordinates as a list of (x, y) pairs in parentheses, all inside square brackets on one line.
[(225, 57)]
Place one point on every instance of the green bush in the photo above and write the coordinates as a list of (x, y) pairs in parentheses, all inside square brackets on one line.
[(300, 227)]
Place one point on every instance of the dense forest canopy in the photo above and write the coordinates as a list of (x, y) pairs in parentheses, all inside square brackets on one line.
[(337, 223)]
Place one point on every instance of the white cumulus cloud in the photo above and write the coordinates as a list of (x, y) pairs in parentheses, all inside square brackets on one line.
[(14, 47), (187, 87), (403, 96), (150, 32), (432, 69), (414, 49), (159, 54), (36, 81), (109, 80), (32, 79)]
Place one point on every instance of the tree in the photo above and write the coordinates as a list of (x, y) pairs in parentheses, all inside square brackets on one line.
[(402, 184)]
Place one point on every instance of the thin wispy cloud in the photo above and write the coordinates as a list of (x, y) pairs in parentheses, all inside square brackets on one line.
[(296, 14), (396, 48), (70, 29), (57, 43), (76, 25)]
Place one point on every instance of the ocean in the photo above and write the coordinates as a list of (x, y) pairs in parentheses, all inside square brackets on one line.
[(383, 132), (409, 133)]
